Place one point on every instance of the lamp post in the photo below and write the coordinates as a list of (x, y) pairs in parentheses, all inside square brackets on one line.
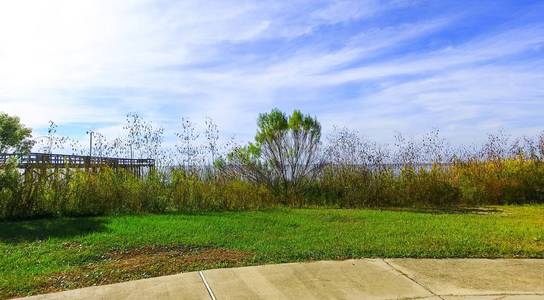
[(90, 133)]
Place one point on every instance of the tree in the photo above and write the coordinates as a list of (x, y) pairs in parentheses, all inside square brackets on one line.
[(51, 142), (143, 139), (285, 151), (212, 136), (187, 144), (14, 136)]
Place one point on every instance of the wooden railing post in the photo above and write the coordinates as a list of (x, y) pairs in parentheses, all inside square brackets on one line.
[(139, 167)]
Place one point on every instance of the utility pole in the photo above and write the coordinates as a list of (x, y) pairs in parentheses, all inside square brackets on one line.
[(90, 133)]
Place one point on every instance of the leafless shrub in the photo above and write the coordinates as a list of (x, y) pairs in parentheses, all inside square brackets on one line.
[(52, 141), (407, 152), (348, 148), (187, 146), (496, 146), (212, 137), (143, 140)]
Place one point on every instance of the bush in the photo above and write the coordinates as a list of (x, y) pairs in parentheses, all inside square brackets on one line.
[(9, 189), (189, 192), (426, 188), (506, 181), (65, 192)]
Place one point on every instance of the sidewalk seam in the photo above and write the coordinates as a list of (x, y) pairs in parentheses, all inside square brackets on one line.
[(411, 279), (499, 294), (210, 292)]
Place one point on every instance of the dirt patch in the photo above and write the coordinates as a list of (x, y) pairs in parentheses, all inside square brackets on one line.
[(448, 210), (72, 245), (144, 262)]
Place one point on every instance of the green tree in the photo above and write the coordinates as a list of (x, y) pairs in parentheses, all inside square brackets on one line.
[(285, 151), (14, 136)]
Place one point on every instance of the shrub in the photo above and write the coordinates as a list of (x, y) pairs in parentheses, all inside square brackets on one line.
[(505, 181), (286, 165)]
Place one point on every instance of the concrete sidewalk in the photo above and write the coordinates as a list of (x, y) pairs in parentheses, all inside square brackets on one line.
[(350, 279)]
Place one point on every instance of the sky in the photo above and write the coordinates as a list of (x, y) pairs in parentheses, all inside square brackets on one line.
[(466, 68)]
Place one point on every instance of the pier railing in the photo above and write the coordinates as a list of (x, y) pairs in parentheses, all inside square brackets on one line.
[(47, 160)]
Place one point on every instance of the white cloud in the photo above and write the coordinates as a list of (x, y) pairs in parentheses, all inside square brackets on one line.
[(92, 61)]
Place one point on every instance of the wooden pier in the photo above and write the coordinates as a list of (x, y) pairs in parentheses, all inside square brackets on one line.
[(57, 161)]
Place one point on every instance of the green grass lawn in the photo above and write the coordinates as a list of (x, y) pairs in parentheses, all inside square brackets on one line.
[(55, 254)]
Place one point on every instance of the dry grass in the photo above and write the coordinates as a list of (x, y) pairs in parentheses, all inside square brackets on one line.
[(142, 262)]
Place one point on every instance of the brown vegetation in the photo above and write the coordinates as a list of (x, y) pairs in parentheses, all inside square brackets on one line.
[(140, 263)]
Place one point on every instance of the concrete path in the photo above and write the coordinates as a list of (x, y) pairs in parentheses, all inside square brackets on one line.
[(451, 279)]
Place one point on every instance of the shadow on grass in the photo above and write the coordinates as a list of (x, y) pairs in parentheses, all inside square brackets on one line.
[(35, 230), (448, 210), (224, 212)]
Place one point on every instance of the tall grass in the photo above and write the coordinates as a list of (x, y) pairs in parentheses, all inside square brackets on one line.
[(353, 172), (510, 181), (65, 192), (430, 173)]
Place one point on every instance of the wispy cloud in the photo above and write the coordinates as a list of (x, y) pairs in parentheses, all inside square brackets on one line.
[(379, 66)]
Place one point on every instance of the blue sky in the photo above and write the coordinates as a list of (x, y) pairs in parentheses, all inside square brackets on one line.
[(464, 67)]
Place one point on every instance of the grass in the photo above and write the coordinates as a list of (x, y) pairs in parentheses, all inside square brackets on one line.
[(54, 254)]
